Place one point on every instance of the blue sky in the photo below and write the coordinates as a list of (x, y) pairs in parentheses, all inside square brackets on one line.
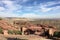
[(30, 8)]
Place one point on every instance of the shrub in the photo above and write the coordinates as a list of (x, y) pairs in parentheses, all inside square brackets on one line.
[(0, 18), (1, 31), (14, 32), (57, 34), (10, 32), (18, 32)]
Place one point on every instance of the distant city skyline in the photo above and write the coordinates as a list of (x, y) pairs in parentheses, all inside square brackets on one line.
[(30, 8)]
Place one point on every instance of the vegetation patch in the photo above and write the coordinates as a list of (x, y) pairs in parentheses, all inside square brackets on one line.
[(14, 32), (18, 32), (1, 31), (10, 32), (57, 34)]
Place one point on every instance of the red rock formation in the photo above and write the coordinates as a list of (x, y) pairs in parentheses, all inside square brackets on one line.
[(6, 26), (40, 29)]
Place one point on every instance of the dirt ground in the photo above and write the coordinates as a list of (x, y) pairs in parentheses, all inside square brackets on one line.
[(28, 37)]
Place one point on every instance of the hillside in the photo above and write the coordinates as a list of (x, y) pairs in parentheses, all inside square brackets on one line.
[(53, 22), (6, 26)]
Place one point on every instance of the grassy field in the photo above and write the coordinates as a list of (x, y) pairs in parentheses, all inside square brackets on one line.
[(53, 22)]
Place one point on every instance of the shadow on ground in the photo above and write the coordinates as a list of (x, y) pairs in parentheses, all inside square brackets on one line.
[(15, 39)]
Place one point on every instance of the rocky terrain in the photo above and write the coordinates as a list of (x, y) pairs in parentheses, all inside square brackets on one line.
[(22, 37), (8, 24)]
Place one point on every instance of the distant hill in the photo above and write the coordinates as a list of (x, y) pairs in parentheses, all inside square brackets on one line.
[(53, 22)]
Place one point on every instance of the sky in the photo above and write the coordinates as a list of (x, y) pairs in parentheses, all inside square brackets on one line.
[(30, 8)]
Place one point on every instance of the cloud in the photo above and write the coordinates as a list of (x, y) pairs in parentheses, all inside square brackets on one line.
[(37, 16), (7, 14), (25, 0), (42, 7), (2, 8), (10, 6), (45, 7), (56, 8), (8, 11), (16, 8), (50, 3), (30, 15)]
